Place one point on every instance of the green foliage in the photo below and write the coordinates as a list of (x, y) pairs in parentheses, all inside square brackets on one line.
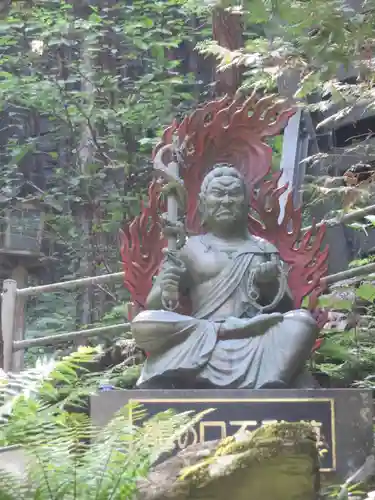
[(57, 384), (49, 314), (315, 39), (85, 91), (276, 144), (362, 262), (349, 356), (69, 457), (49, 383), (368, 223)]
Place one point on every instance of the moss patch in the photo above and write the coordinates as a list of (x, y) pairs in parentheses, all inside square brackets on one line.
[(277, 461)]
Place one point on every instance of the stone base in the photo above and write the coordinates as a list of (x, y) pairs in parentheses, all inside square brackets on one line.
[(342, 418)]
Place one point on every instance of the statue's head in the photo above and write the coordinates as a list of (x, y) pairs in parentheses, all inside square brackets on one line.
[(224, 198)]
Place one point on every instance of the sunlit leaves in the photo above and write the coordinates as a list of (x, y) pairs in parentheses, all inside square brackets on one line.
[(366, 291), (318, 37)]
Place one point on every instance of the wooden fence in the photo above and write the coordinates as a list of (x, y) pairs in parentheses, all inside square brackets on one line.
[(12, 306)]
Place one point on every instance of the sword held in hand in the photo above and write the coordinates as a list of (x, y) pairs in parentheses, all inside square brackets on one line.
[(170, 173)]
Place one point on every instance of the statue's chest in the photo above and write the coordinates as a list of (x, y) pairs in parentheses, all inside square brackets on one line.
[(210, 263)]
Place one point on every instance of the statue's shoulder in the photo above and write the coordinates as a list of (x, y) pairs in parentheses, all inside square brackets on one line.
[(191, 250), (263, 245), (193, 244)]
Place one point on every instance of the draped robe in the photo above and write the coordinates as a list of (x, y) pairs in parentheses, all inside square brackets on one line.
[(187, 348)]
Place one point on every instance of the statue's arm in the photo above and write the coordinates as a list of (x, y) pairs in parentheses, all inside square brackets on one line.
[(154, 299)]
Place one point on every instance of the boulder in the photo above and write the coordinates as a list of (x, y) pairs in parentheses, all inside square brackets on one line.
[(275, 462)]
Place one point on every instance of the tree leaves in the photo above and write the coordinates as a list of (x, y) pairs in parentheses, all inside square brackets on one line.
[(366, 291), (56, 107), (318, 38)]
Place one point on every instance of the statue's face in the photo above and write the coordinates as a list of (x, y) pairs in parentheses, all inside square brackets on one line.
[(225, 202)]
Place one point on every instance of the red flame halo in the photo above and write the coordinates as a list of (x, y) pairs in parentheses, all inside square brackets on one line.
[(141, 245), (230, 131)]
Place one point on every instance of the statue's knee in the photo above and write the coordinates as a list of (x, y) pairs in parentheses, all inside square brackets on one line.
[(151, 324), (302, 321), (300, 315), (143, 317), (141, 324), (137, 329)]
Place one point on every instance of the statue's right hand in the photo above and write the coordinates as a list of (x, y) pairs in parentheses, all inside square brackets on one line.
[(170, 280)]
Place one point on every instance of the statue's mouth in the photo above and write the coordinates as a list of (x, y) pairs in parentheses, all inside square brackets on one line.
[(224, 212)]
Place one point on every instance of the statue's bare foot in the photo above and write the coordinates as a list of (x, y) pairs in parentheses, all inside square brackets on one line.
[(235, 328)]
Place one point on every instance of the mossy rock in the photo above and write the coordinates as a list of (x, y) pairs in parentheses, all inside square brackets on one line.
[(275, 462)]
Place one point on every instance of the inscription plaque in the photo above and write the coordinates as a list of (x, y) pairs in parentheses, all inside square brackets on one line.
[(230, 415), (342, 418)]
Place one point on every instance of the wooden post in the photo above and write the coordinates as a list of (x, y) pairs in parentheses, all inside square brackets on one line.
[(287, 84), (290, 158), (19, 274), (8, 315), (299, 136)]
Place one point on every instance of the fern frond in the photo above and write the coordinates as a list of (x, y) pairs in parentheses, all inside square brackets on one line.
[(68, 457), (28, 396), (71, 458), (14, 386), (12, 487), (129, 450)]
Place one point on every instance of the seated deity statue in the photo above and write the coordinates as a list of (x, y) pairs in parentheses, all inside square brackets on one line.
[(242, 331)]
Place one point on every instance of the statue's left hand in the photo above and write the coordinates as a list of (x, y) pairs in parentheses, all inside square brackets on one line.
[(266, 272)]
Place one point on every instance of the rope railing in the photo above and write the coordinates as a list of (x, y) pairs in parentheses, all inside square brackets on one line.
[(59, 338), (13, 344), (346, 218), (68, 285), (364, 270)]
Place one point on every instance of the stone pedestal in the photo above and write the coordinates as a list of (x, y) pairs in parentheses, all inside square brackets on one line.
[(342, 418)]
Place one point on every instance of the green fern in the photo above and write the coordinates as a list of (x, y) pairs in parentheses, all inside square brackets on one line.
[(46, 381), (11, 488), (70, 458)]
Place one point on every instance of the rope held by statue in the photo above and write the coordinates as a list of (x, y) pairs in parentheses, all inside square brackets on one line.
[(253, 296)]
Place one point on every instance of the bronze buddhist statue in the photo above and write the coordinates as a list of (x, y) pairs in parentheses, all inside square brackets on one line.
[(243, 331)]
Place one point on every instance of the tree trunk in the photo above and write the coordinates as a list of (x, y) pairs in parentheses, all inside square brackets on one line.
[(86, 156), (227, 31)]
